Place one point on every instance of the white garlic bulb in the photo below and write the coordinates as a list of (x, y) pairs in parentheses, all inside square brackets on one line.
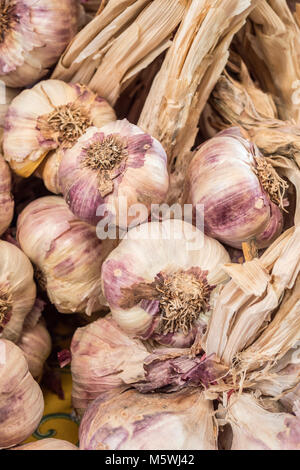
[(132, 421), (21, 399), (34, 33), (162, 280), (47, 119), (17, 290)]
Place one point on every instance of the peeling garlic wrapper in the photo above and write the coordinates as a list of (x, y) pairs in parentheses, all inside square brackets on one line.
[(6, 199), (17, 290), (161, 281), (67, 254), (21, 399), (103, 358), (131, 421), (241, 193), (255, 428), (117, 161), (47, 444), (47, 119), (34, 33), (36, 346)]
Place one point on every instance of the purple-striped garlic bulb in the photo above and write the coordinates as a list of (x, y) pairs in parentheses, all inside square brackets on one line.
[(47, 119), (34, 33), (66, 252), (21, 399), (47, 444), (162, 279), (103, 358), (17, 290), (6, 199), (114, 163), (241, 194), (35, 343), (132, 421)]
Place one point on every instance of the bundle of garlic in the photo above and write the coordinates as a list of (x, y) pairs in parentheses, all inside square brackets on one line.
[(47, 119), (240, 192), (33, 36), (255, 428), (115, 163), (17, 290), (241, 103), (162, 281), (66, 252), (103, 358), (118, 43), (21, 399), (128, 420), (6, 198), (36, 345), (47, 444)]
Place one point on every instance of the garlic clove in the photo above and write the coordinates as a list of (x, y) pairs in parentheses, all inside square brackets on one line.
[(49, 117), (115, 161), (21, 399), (103, 358), (34, 35), (131, 421), (17, 290), (156, 266), (47, 444)]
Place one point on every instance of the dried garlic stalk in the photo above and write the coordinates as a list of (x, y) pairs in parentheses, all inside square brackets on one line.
[(242, 103), (270, 45), (118, 43)]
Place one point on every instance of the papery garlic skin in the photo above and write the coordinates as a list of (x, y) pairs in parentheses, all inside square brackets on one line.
[(66, 252), (47, 444), (117, 161), (255, 428), (6, 199), (36, 346), (34, 35), (49, 118), (21, 399), (154, 252), (131, 421), (103, 358), (222, 180), (17, 290)]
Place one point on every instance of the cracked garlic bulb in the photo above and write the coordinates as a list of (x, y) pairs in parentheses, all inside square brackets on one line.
[(103, 358), (66, 252), (17, 290), (238, 190), (132, 421), (34, 33), (117, 161), (21, 399), (162, 279), (47, 119), (6, 198)]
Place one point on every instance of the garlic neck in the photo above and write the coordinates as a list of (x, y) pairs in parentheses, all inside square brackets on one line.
[(272, 183)]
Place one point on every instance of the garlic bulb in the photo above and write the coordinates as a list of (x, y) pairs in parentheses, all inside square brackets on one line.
[(103, 358), (255, 428), (33, 36), (67, 253), (17, 290), (48, 118), (6, 199), (21, 399), (241, 192), (131, 421), (6, 96), (117, 161), (162, 279), (47, 444), (36, 346)]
